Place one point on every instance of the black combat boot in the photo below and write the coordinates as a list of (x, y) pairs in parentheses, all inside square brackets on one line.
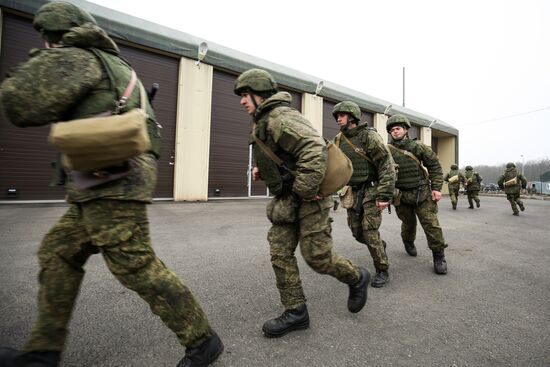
[(521, 207), (204, 354), (471, 207), (454, 206), (410, 247), (478, 204), (516, 213), (380, 279), (290, 320), (11, 358), (440, 264), (358, 292)]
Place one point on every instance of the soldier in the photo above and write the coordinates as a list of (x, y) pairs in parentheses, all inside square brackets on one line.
[(372, 182), (81, 74), (472, 183), (511, 181), (419, 181), (454, 178), (297, 212)]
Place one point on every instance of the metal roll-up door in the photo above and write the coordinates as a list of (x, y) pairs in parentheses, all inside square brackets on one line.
[(155, 68), (229, 149), (25, 154), (330, 127)]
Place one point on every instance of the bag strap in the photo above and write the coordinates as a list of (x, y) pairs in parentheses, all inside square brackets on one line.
[(413, 157), (357, 150), (270, 154)]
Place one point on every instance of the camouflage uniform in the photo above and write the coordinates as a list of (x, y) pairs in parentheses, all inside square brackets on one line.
[(454, 187), (73, 81), (294, 219), (472, 183), (512, 190), (418, 175), (377, 179)]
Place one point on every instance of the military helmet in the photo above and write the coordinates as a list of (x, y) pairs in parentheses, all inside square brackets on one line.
[(60, 17), (454, 166), (510, 165), (398, 119), (349, 107), (469, 168), (255, 80)]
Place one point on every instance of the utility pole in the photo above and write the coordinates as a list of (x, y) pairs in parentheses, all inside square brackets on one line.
[(522, 164)]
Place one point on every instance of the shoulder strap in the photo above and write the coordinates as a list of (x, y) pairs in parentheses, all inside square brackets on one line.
[(270, 154), (357, 150), (412, 156)]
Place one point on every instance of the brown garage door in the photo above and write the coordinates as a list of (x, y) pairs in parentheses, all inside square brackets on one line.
[(229, 131), (25, 155), (154, 68)]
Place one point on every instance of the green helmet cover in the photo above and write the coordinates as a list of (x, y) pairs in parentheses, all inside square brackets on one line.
[(255, 80), (60, 17), (454, 166), (510, 165), (398, 119), (349, 107), (469, 168)]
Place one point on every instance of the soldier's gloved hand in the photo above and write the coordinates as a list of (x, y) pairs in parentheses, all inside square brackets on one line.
[(436, 195)]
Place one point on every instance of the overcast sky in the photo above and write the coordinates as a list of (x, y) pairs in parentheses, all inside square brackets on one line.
[(480, 66)]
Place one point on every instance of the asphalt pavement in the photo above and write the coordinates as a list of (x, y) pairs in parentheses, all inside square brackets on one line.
[(491, 309)]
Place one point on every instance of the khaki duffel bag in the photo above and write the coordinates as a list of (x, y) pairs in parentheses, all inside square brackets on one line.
[(97, 142), (339, 170), (453, 179), (511, 182)]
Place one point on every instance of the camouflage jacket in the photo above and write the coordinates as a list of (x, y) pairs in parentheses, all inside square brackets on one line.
[(425, 155), (372, 145), (472, 181), (293, 139), (60, 84), (452, 173), (510, 174)]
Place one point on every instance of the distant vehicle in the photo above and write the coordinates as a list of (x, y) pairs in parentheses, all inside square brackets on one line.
[(491, 187)]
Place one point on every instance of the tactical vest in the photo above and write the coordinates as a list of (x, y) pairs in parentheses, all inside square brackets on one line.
[(104, 96), (452, 173), (509, 174), (278, 179), (472, 178), (363, 170), (410, 174)]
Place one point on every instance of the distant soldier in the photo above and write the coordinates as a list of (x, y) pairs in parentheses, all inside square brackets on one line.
[(472, 184), (419, 180), (372, 182), (454, 178), (512, 182), (298, 214)]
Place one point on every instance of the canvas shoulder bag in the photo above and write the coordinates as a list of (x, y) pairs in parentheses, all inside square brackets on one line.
[(102, 141), (338, 172)]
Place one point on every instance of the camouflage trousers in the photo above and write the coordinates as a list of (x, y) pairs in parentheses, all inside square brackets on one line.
[(419, 204), (306, 223), (473, 196), (515, 201), (365, 230), (120, 231), (453, 193)]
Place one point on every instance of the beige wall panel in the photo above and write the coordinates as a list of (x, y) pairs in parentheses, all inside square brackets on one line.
[(379, 123), (426, 136), (446, 149), (312, 109), (193, 131)]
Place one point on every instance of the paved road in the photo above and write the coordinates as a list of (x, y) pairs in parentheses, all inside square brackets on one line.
[(492, 309)]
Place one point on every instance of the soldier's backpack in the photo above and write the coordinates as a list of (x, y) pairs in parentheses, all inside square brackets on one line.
[(338, 172)]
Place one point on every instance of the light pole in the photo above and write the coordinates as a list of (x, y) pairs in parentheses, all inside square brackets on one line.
[(522, 164)]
